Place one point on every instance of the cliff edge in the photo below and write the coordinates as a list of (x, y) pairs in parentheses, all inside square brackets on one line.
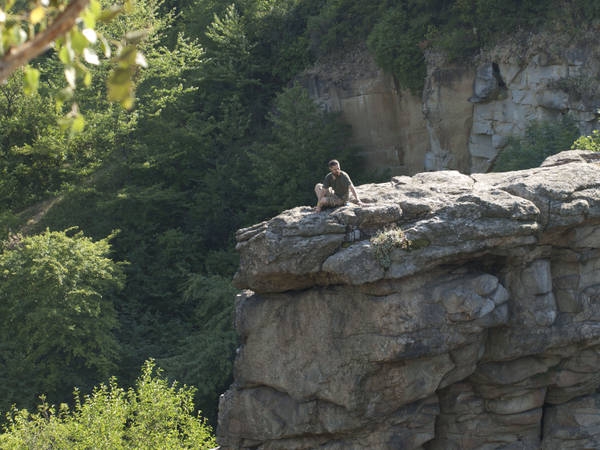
[(448, 312)]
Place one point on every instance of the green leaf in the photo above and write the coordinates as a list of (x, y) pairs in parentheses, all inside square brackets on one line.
[(78, 41), (37, 15), (70, 76), (87, 78), (127, 56), (90, 56), (91, 13), (78, 124), (32, 80), (120, 87), (109, 14), (65, 56), (105, 46)]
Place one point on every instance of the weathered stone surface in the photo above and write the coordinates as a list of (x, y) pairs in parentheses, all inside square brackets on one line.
[(466, 113), (574, 425), (484, 333)]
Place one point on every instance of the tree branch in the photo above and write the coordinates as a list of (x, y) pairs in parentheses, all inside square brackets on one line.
[(21, 55)]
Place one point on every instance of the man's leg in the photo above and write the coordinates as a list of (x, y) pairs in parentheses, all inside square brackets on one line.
[(321, 193)]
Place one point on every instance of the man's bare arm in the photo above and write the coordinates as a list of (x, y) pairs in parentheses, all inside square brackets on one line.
[(355, 194)]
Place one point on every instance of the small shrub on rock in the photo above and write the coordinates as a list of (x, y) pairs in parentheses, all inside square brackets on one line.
[(387, 240)]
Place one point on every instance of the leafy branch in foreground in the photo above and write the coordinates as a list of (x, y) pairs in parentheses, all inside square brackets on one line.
[(29, 29)]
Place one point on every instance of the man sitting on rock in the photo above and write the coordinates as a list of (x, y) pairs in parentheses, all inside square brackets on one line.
[(334, 189)]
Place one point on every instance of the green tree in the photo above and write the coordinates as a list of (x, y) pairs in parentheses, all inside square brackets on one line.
[(303, 138), (161, 189), (204, 355), (58, 320), (394, 42), (152, 415), (342, 23), (541, 139)]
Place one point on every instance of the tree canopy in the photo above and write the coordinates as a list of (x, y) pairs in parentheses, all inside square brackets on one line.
[(58, 326)]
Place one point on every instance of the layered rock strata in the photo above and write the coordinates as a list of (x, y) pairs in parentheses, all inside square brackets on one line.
[(447, 312)]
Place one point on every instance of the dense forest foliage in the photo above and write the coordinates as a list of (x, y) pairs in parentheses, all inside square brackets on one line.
[(119, 239)]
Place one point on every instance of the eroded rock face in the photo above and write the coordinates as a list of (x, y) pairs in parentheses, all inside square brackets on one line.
[(467, 112), (483, 334), (387, 122), (536, 77)]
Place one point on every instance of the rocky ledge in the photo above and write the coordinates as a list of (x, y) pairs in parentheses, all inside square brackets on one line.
[(447, 312)]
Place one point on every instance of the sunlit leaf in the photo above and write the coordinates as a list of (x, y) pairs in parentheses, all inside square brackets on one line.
[(2, 16), (120, 87), (95, 7), (65, 55), (127, 56), (14, 35), (140, 60), (92, 13), (78, 124), (87, 79), (32, 80), (65, 94), (120, 76), (78, 41), (70, 75), (90, 35), (37, 15), (109, 14), (65, 123), (90, 56), (127, 103), (105, 47)]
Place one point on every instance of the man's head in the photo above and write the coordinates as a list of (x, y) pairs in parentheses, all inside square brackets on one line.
[(334, 167)]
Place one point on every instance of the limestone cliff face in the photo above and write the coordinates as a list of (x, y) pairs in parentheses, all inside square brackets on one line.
[(386, 122), (467, 112), (480, 330)]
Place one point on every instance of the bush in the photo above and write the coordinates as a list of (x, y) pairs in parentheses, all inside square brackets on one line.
[(153, 415), (591, 142), (541, 139), (387, 240)]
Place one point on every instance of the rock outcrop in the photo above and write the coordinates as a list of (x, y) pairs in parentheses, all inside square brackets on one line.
[(447, 312), (467, 113)]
